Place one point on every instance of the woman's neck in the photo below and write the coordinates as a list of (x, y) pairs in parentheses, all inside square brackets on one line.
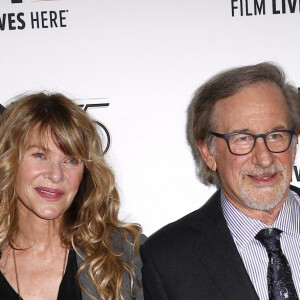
[(37, 233)]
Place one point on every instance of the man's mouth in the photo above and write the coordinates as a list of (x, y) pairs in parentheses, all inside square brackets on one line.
[(262, 175), (263, 178)]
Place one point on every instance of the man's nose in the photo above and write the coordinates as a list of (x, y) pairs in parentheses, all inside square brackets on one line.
[(54, 171), (261, 155)]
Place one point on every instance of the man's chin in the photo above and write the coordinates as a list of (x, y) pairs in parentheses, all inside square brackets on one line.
[(263, 198)]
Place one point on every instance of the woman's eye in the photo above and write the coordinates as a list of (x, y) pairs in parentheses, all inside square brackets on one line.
[(39, 155), (72, 160)]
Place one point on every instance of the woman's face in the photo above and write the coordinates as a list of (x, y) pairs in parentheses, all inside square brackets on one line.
[(47, 180)]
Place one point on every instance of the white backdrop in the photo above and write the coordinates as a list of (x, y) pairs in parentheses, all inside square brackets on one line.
[(145, 58)]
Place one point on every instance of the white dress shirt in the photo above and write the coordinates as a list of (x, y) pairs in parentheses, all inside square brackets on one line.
[(254, 255)]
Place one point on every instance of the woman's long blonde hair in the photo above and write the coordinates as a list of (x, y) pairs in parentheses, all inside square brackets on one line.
[(91, 223)]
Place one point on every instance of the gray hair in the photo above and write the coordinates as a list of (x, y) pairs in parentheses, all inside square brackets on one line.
[(225, 84)]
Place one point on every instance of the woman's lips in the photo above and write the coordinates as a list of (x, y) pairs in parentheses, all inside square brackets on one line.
[(49, 193)]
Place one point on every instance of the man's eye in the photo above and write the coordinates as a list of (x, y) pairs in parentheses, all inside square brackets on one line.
[(243, 138), (275, 136)]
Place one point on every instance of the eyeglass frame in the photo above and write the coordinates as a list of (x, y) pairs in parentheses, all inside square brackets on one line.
[(227, 136)]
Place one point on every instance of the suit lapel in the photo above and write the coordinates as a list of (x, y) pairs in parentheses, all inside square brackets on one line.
[(85, 280), (219, 256)]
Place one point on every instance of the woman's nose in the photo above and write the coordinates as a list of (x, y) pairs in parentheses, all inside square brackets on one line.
[(54, 172)]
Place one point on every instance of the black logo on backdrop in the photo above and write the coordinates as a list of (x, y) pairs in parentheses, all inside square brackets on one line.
[(106, 139), (297, 173), (1, 108), (258, 7), (104, 133), (33, 20)]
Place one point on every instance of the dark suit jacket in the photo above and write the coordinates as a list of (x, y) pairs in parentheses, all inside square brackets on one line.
[(195, 258)]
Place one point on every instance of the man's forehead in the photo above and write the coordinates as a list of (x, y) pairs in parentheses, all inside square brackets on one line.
[(261, 106)]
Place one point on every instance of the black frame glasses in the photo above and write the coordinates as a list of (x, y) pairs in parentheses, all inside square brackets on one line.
[(227, 137)]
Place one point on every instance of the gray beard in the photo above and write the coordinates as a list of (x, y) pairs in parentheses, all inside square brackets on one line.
[(264, 198)]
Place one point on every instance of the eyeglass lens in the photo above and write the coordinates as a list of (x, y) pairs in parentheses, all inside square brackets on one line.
[(276, 142)]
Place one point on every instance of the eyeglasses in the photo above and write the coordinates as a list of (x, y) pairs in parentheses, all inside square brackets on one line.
[(240, 143)]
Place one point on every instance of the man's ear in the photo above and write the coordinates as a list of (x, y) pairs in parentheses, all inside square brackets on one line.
[(206, 155)]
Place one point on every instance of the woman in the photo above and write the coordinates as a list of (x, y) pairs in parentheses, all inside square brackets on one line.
[(60, 236)]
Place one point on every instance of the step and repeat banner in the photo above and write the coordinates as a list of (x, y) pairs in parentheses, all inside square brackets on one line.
[(134, 66)]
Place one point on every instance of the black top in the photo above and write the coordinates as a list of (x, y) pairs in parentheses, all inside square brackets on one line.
[(68, 288)]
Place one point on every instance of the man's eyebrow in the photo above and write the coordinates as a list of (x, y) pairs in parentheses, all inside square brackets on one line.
[(280, 127), (247, 130)]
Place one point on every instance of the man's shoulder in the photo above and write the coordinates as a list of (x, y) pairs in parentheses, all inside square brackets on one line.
[(183, 230)]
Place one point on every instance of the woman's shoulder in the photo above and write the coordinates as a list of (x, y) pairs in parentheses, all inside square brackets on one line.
[(123, 242)]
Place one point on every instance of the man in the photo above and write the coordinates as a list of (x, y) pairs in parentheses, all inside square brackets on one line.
[(243, 126)]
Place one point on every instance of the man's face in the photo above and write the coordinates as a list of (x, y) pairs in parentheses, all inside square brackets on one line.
[(259, 180)]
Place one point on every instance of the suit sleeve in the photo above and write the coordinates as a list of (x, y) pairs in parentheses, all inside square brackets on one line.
[(138, 269), (152, 284)]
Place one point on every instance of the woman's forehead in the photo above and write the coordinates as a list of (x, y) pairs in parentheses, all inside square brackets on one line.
[(41, 137)]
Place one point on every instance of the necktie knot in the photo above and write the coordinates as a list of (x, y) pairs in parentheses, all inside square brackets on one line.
[(270, 239)]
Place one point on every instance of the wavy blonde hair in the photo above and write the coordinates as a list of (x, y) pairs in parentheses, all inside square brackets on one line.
[(91, 223)]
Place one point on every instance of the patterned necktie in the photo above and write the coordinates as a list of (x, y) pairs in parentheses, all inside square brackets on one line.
[(280, 281)]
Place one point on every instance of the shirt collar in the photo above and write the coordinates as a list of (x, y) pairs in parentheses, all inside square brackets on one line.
[(288, 219), (244, 228)]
